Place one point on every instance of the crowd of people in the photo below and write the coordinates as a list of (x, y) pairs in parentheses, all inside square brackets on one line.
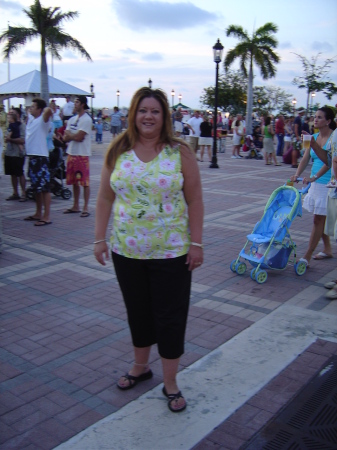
[(36, 134)]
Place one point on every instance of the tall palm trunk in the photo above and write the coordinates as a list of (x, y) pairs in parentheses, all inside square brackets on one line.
[(44, 87), (249, 109)]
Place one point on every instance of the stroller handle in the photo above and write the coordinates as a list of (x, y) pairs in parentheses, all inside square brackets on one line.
[(305, 189)]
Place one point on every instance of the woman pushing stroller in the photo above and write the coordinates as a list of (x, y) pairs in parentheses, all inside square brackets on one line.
[(316, 199)]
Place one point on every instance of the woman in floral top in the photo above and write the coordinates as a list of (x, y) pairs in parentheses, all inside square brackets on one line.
[(151, 181)]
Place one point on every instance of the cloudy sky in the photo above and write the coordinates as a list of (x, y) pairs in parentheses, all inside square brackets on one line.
[(170, 41)]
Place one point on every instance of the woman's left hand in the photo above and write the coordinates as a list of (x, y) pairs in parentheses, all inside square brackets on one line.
[(195, 257)]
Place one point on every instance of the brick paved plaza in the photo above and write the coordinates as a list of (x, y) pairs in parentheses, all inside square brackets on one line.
[(65, 339)]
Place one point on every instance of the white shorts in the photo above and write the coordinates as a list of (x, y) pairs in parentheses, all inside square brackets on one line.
[(178, 127), (316, 199), (205, 140), (236, 139)]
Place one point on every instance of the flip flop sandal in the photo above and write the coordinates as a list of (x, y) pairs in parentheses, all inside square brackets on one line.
[(134, 380), (31, 219), (71, 211), (85, 214), (172, 398), (42, 223), (13, 197), (321, 255)]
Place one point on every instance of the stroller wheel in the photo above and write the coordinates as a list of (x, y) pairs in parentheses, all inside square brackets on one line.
[(300, 268), (30, 194), (56, 192), (233, 266), (66, 193), (252, 273), (261, 276), (240, 268)]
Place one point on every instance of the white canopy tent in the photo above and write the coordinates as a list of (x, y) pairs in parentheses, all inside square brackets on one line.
[(28, 86)]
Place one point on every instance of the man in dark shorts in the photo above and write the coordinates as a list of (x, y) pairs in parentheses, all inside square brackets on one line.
[(36, 148), (15, 159)]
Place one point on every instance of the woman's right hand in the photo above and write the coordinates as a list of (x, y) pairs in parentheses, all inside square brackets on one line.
[(100, 250), (294, 178)]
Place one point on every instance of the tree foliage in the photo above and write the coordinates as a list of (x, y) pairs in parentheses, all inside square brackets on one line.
[(46, 25), (272, 98), (257, 49), (232, 96), (232, 91), (315, 77)]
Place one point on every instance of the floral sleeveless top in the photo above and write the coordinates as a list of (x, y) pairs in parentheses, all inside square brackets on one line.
[(150, 213)]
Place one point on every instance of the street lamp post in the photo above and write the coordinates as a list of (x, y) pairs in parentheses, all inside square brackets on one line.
[(217, 55), (294, 104), (180, 97), (150, 83), (118, 94), (173, 94), (92, 95), (313, 94)]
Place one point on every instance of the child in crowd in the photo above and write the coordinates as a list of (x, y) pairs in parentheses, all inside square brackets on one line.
[(13, 131), (99, 131)]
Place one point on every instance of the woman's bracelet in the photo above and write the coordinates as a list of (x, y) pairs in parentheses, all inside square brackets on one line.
[(195, 244), (100, 240)]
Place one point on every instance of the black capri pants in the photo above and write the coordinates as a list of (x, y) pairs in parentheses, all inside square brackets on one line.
[(156, 293)]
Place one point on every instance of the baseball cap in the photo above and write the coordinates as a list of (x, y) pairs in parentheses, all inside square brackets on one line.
[(83, 99)]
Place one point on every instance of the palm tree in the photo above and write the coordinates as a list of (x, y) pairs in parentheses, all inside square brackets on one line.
[(257, 49), (46, 24)]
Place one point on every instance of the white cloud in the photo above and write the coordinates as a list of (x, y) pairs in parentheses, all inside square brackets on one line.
[(31, 54), (130, 51), (69, 54), (11, 6), (322, 46), (152, 57), (284, 45), (149, 14)]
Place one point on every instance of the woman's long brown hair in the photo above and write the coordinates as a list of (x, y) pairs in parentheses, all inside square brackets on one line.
[(126, 140)]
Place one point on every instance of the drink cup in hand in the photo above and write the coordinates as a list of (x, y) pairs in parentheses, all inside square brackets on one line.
[(306, 141)]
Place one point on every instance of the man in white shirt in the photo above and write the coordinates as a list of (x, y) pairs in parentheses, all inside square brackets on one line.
[(78, 133), (37, 128), (194, 125), (67, 109)]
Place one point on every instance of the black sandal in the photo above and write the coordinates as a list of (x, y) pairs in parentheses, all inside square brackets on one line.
[(172, 398), (134, 380)]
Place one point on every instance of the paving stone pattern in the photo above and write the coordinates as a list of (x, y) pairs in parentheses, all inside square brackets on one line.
[(63, 330)]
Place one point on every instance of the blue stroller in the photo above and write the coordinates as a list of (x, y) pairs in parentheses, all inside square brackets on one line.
[(270, 246)]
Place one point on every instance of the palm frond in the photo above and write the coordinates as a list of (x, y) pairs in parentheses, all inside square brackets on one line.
[(59, 40), (266, 29), (16, 37), (238, 32), (60, 17)]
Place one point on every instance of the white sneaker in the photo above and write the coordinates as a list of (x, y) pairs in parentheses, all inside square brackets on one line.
[(234, 157), (330, 285)]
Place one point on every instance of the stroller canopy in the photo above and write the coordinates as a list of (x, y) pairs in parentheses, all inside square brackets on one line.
[(281, 209)]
